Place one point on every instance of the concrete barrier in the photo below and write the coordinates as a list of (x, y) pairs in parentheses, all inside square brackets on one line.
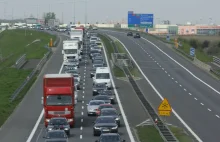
[(201, 64)]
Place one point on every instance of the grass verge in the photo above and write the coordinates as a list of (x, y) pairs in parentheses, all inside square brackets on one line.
[(14, 41), (150, 134)]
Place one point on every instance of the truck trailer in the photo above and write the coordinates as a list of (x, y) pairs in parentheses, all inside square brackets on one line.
[(58, 97)]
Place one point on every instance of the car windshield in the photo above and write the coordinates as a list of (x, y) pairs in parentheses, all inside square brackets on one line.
[(106, 92), (100, 85), (108, 112), (76, 80), (71, 71), (102, 76), (105, 120), (70, 51), (101, 98), (94, 51), (105, 106), (54, 134), (96, 103), (98, 43), (75, 75), (58, 122), (97, 62), (58, 100), (98, 65), (109, 138), (94, 38)]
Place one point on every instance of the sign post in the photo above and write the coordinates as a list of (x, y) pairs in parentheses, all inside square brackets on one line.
[(164, 109)]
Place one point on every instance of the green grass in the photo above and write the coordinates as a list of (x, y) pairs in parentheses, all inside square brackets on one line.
[(14, 41), (150, 134)]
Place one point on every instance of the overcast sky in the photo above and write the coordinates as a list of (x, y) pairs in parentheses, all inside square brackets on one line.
[(177, 11)]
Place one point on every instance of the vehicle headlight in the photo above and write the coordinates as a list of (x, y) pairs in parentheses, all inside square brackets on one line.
[(115, 127), (95, 90), (117, 118), (47, 120), (97, 127), (49, 129), (69, 120), (66, 129)]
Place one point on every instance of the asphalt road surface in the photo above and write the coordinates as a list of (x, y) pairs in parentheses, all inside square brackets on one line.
[(196, 103), (83, 130)]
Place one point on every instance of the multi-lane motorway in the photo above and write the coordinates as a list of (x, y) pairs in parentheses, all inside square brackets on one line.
[(193, 94)]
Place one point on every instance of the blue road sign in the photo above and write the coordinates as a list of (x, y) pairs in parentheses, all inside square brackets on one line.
[(168, 37), (140, 20), (192, 51)]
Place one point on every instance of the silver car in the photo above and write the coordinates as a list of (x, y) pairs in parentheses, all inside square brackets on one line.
[(56, 135), (93, 106)]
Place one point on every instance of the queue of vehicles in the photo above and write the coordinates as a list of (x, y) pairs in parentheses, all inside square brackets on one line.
[(60, 93)]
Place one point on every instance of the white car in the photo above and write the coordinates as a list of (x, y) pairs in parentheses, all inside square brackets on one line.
[(76, 95), (77, 76)]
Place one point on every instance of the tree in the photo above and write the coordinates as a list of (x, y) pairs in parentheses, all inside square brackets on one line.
[(193, 43), (48, 16)]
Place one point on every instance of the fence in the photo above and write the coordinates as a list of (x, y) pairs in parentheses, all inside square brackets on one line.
[(30, 76), (21, 61), (216, 60)]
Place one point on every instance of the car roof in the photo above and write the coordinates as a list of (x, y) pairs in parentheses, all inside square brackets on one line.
[(101, 96), (106, 105), (108, 109), (96, 101), (105, 117), (110, 134)]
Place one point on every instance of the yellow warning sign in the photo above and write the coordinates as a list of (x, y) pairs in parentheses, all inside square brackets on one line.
[(164, 106), (164, 113)]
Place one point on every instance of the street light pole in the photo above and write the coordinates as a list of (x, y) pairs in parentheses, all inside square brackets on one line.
[(74, 11), (85, 12)]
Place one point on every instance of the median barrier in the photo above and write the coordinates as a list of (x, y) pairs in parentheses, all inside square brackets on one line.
[(20, 61)]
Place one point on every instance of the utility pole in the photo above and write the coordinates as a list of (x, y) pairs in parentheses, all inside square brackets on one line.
[(85, 12), (12, 14), (74, 11)]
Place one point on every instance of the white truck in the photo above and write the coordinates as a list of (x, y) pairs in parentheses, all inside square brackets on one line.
[(71, 50), (77, 34)]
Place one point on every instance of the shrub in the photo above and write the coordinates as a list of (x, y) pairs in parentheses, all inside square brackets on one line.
[(205, 44), (194, 43), (213, 50)]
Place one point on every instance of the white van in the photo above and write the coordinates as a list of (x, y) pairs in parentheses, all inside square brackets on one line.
[(102, 75)]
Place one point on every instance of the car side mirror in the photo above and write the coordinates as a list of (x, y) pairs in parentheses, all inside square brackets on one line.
[(42, 100), (87, 104)]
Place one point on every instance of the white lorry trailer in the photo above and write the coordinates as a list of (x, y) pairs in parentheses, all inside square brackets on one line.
[(77, 34), (71, 50)]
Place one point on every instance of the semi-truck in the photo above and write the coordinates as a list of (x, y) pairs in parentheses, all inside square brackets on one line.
[(71, 50), (77, 34), (58, 97)]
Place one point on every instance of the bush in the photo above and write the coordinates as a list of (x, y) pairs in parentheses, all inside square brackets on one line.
[(205, 44), (219, 44), (194, 43), (213, 50)]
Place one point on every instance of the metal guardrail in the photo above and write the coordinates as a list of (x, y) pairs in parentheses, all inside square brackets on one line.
[(21, 61), (216, 60), (164, 131), (30, 76)]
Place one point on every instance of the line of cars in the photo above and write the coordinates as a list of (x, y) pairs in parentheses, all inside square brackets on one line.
[(136, 35), (102, 104), (60, 91)]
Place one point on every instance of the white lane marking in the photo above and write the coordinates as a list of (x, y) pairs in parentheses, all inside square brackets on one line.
[(81, 128), (180, 85), (162, 68), (184, 89), (183, 67), (217, 116), (82, 113), (161, 97), (172, 78), (83, 91), (131, 137), (165, 71), (84, 76), (84, 80), (39, 135), (39, 118), (202, 104), (209, 109), (83, 83), (168, 74), (176, 81), (196, 99), (81, 136), (82, 120), (190, 94), (84, 70), (85, 67), (83, 88), (82, 107), (83, 102), (83, 96)]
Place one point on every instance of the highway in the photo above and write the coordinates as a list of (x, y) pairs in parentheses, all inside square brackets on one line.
[(195, 102), (83, 129)]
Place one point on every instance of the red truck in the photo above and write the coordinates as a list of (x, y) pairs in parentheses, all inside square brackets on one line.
[(58, 97)]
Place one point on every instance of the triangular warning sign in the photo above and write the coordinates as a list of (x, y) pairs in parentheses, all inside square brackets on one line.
[(164, 106)]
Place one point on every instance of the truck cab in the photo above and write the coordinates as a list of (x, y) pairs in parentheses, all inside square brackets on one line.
[(58, 97), (102, 75), (71, 50)]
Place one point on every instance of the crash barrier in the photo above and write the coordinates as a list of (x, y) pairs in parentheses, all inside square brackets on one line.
[(216, 60), (21, 61), (160, 125), (30, 76)]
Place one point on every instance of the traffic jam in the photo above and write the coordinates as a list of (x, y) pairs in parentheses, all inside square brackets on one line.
[(61, 91)]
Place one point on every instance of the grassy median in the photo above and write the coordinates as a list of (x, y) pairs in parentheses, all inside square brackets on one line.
[(13, 44)]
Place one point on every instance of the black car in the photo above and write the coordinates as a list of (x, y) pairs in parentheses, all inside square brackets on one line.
[(103, 98), (93, 52), (111, 112), (110, 137), (77, 83), (56, 135), (129, 34), (105, 124), (137, 35), (98, 58), (59, 123), (98, 87), (110, 94), (95, 56)]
